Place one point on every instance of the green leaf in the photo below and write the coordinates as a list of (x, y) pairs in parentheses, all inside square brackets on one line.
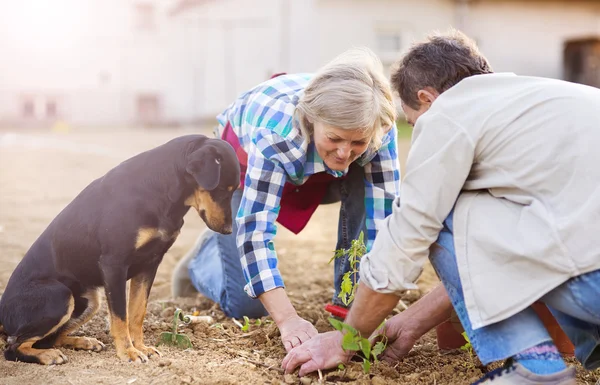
[(246, 324), (346, 286), (349, 329), (378, 348), (366, 366), (258, 322), (465, 336), (349, 343), (341, 367), (365, 347), (338, 254), (337, 324)]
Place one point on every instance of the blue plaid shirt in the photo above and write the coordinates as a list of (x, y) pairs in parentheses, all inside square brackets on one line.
[(263, 120)]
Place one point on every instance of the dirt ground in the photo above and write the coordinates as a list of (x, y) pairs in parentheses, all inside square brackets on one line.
[(40, 172)]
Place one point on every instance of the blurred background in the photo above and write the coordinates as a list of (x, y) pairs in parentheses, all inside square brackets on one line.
[(117, 63)]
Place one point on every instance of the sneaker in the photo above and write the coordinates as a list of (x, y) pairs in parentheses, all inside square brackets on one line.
[(516, 374), (181, 285)]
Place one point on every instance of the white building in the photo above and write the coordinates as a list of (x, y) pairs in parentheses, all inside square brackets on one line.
[(119, 62)]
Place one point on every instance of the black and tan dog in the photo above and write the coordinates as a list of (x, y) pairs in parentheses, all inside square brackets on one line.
[(118, 228)]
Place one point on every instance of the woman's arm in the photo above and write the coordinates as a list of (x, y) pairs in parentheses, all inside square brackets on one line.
[(264, 182)]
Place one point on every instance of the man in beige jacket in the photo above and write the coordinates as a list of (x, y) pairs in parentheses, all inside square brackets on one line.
[(502, 194)]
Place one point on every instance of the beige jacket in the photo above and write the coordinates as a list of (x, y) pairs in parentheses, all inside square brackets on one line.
[(520, 158)]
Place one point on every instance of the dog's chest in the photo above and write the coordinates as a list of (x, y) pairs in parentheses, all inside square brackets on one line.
[(152, 242)]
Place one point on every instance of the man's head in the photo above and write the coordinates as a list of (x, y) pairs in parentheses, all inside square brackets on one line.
[(432, 67)]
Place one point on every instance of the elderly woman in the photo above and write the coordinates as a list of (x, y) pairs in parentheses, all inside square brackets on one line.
[(302, 140)]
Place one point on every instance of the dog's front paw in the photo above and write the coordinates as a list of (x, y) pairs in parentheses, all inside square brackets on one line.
[(132, 355), (149, 351), (91, 344), (51, 357), (81, 343)]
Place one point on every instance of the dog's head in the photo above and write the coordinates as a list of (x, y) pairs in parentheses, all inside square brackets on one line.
[(216, 171)]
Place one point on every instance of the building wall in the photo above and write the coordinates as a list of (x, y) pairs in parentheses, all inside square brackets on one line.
[(96, 60), (388, 27), (97, 63), (528, 37)]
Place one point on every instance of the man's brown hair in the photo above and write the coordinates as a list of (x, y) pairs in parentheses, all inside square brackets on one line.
[(440, 62)]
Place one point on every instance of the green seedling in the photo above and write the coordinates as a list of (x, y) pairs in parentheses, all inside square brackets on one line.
[(354, 342), (467, 347), (355, 253), (246, 325), (173, 338)]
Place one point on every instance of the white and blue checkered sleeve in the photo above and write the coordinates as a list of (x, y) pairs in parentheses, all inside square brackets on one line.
[(268, 160), (382, 184)]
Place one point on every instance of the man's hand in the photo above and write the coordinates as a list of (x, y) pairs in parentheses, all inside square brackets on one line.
[(404, 329), (400, 339), (323, 351), (295, 331)]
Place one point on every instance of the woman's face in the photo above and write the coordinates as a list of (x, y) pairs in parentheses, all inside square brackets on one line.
[(339, 147)]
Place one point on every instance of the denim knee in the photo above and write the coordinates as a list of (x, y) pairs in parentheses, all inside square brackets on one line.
[(238, 305)]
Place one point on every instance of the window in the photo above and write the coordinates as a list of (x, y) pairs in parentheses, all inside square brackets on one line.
[(389, 42), (144, 17), (51, 109), (27, 107), (148, 109), (581, 61)]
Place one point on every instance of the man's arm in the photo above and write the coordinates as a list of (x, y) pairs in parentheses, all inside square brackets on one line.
[(369, 309)]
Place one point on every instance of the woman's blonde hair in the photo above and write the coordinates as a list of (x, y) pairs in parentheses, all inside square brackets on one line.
[(350, 92)]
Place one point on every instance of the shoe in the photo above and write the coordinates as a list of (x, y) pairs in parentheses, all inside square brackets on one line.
[(516, 374), (181, 285)]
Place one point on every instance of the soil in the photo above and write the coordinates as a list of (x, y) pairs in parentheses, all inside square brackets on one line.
[(40, 172)]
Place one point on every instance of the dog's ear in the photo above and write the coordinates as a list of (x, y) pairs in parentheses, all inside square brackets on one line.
[(204, 165)]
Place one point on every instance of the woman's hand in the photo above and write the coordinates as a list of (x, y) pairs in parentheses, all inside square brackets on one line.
[(295, 331), (322, 352)]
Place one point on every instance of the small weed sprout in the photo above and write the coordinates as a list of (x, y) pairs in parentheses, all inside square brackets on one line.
[(245, 327)]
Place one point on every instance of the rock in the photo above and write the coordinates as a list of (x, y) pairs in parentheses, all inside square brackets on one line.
[(168, 312), (289, 379), (164, 362), (305, 380)]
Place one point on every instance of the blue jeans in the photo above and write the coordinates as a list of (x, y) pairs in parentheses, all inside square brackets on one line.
[(575, 304), (216, 270)]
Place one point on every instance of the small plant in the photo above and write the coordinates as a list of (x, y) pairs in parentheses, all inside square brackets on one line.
[(354, 342), (355, 252), (246, 325), (467, 347)]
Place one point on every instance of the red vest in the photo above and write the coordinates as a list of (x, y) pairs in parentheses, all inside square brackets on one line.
[(298, 203)]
